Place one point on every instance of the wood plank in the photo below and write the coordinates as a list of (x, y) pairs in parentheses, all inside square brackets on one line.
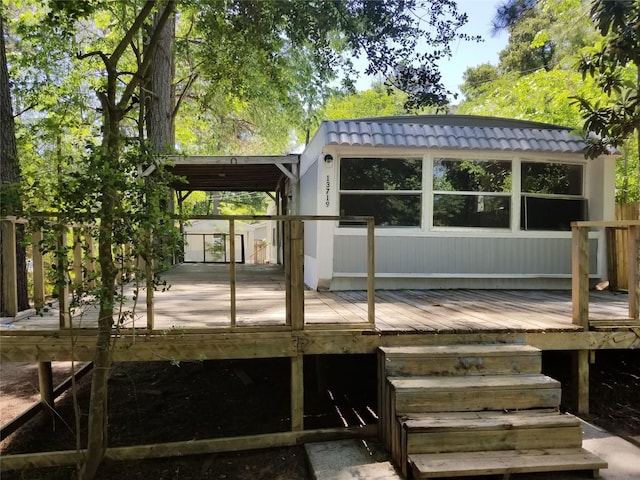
[(462, 360), (188, 447), (474, 393), (494, 463)]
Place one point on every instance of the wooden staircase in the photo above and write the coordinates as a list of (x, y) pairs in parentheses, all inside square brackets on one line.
[(469, 410)]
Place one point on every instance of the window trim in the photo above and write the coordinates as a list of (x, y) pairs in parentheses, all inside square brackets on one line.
[(433, 192), (394, 193)]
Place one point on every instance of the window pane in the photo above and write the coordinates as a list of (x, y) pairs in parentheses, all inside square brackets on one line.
[(380, 174), (388, 210), (551, 213), (471, 175), (552, 178), (471, 211)]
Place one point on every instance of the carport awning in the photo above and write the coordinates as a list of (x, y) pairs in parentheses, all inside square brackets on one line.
[(233, 173)]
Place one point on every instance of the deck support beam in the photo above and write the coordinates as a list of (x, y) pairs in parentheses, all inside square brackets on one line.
[(297, 393), (47, 396), (581, 369)]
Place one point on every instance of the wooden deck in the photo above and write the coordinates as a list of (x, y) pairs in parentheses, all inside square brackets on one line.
[(199, 298)]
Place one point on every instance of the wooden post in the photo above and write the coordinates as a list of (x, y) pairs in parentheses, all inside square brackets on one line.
[(38, 270), (77, 259), (287, 270), (148, 271), (371, 273), (9, 267), (297, 274), (297, 393), (90, 259), (45, 380), (232, 269), (633, 238), (582, 381), (580, 275), (63, 290)]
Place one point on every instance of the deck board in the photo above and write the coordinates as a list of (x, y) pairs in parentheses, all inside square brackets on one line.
[(199, 297)]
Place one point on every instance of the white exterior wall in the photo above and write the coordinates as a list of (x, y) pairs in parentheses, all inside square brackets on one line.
[(402, 259), (319, 196)]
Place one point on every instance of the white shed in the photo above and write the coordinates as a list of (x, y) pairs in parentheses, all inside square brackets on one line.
[(459, 202)]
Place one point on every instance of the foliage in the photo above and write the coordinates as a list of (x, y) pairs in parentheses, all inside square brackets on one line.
[(512, 90), (541, 96), (614, 64)]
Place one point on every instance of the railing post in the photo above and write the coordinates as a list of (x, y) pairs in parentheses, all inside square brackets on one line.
[(9, 267), (232, 270), (633, 247), (297, 274), (148, 273), (371, 273), (287, 270), (38, 269), (63, 279), (580, 275), (90, 258), (77, 259)]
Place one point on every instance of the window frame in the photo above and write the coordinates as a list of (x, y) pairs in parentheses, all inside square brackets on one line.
[(522, 195), (433, 192), (390, 193)]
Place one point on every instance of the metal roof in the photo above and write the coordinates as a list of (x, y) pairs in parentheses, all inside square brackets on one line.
[(231, 173), (455, 132)]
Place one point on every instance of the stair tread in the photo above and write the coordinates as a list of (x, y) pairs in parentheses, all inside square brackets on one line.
[(429, 465), (456, 350), (434, 422), (473, 382)]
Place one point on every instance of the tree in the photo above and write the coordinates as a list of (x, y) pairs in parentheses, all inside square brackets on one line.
[(527, 51), (10, 198), (284, 53)]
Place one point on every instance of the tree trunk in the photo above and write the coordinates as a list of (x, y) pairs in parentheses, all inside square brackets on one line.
[(10, 201), (97, 428), (160, 118)]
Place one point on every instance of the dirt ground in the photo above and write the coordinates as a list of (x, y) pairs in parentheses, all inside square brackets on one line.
[(162, 402)]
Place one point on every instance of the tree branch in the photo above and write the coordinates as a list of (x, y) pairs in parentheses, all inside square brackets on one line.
[(183, 94), (147, 54), (133, 30)]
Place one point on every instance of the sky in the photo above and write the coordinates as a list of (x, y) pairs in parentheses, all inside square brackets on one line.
[(471, 54), (468, 54)]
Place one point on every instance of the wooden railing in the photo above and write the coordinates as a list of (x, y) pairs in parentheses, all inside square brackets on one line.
[(580, 267), (78, 271), (81, 268), (294, 262)]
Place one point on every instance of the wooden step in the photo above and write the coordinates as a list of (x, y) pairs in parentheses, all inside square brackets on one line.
[(452, 360), (464, 464), (472, 393), (447, 360), (476, 431)]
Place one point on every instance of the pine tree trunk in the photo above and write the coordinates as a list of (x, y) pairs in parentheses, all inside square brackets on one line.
[(10, 201), (160, 118)]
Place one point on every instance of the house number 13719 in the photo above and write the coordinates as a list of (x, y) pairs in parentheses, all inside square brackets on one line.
[(327, 186)]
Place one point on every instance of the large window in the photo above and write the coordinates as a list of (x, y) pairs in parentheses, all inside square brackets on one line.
[(471, 193), (389, 189), (552, 196)]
